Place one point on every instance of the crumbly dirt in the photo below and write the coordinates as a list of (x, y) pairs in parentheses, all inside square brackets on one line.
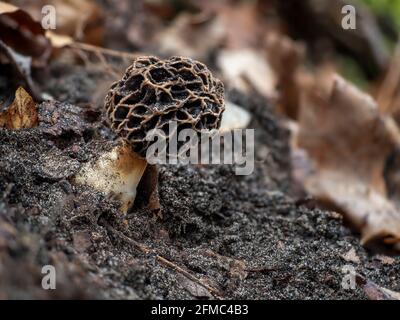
[(223, 235)]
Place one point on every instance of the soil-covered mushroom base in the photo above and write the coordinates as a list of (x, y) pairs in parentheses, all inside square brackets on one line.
[(218, 234)]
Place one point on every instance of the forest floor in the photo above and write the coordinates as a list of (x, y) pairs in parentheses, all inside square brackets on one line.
[(238, 237)]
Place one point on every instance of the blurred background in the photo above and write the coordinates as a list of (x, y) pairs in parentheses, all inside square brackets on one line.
[(328, 69), (319, 80)]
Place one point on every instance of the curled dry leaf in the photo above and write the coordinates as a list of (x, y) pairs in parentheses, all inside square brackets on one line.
[(348, 142), (191, 35), (246, 70), (19, 31), (195, 289), (375, 292), (238, 30), (243, 24), (21, 67), (22, 114), (351, 256), (58, 40), (385, 259), (23, 44), (143, 21), (286, 58), (83, 20), (217, 25)]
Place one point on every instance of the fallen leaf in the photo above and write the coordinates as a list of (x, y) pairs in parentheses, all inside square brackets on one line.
[(6, 7), (217, 25), (192, 35), (58, 40), (246, 70), (22, 68), (243, 24), (23, 44), (83, 20), (351, 256), (237, 268), (385, 259), (286, 58), (348, 142), (143, 21), (20, 32), (375, 292), (22, 114), (194, 288)]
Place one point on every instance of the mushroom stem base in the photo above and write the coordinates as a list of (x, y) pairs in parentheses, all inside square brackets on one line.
[(115, 173)]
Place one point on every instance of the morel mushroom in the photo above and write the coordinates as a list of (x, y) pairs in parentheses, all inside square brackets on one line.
[(151, 94)]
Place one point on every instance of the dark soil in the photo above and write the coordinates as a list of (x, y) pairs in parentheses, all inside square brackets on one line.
[(239, 237)]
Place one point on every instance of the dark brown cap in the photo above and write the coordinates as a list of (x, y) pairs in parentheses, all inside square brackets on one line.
[(154, 92)]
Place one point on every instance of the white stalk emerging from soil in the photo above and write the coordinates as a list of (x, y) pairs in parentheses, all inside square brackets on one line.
[(151, 93), (117, 172)]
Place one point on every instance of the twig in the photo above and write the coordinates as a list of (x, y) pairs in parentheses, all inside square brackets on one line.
[(84, 51), (162, 260), (262, 269), (105, 51), (191, 277)]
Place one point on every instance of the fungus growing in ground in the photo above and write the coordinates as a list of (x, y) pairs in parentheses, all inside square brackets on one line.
[(151, 94)]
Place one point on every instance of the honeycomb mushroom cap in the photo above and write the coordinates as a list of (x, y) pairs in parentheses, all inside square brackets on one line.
[(154, 92)]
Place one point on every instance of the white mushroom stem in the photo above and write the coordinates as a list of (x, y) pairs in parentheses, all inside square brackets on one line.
[(234, 117), (117, 172)]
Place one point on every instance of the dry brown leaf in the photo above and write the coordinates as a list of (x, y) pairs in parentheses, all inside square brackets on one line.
[(233, 34), (19, 31), (347, 142), (385, 259), (286, 58), (58, 40), (21, 67), (195, 289), (192, 35), (375, 292), (22, 113), (247, 70), (143, 21), (351, 256), (237, 268), (243, 24), (7, 8), (218, 25), (83, 20), (23, 44)]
